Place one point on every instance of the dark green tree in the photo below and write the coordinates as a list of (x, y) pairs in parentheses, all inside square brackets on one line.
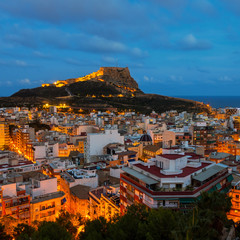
[(51, 231), (96, 229), (210, 216), (70, 222), (23, 232), (3, 234)]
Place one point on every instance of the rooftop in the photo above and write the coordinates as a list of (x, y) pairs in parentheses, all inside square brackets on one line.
[(185, 171), (80, 191), (49, 196)]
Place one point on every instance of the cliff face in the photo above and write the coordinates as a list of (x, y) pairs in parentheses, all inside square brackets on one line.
[(119, 76)]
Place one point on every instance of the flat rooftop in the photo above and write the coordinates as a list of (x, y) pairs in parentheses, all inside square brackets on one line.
[(185, 171)]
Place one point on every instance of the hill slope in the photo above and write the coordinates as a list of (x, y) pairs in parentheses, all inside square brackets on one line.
[(109, 87)]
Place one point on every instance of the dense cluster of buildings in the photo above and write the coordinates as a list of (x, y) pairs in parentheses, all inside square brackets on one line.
[(100, 163)]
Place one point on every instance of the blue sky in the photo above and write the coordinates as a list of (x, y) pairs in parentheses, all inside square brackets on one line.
[(172, 47)]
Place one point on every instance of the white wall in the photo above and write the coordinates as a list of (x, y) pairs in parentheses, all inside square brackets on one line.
[(40, 152), (168, 136), (90, 182), (46, 186), (96, 142)]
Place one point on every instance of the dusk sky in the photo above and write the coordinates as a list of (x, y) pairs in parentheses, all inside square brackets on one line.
[(172, 47)]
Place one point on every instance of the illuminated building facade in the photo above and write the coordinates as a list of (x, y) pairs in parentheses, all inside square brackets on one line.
[(172, 181), (4, 135), (79, 202), (104, 202), (234, 213), (47, 206), (15, 202), (204, 136)]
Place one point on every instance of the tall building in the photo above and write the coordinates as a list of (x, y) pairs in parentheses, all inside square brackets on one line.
[(4, 135), (204, 136), (97, 141), (172, 180)]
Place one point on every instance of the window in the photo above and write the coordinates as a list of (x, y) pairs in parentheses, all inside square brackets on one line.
[(237, 196)]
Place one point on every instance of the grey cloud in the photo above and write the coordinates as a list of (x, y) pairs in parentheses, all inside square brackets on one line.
[(233, 5), (58, 11), (73, 41)]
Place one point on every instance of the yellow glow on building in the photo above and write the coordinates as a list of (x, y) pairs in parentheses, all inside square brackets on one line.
[(45, 85)]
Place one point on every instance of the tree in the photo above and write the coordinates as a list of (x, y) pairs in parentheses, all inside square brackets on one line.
[(96, 229), (163, 223), (23, 232), (70, 222), (10, 223), (51, 231), (209, 216), (131, 225), (3, 234)]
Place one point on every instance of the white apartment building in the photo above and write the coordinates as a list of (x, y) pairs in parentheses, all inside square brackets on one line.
[(97, 141)]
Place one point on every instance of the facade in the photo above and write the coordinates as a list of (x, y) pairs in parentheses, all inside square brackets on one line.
[(74, 177), (171, 181), (97, 141), (15, 202), (204, 136), (4, 135), (104, 202), (46, 200), (47, 206), (79, 202)]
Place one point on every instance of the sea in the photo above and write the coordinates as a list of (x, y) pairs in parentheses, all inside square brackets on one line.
[(216, 101)]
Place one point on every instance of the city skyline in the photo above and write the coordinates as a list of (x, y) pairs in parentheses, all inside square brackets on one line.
[(174, 48)]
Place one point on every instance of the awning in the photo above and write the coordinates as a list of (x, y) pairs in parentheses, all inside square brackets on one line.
[(187, 200), (209, 172), (212, 190), (140, 176), (218, 186), (230, 178)]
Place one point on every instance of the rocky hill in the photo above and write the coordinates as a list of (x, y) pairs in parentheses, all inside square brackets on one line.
[(109, 87)]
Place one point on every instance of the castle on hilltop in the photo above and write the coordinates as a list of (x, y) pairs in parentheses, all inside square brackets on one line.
[(120, 77)]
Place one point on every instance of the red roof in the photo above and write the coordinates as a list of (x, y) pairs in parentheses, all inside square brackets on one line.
[(172, 156), (21, 163), (193, 155), (156, 170)]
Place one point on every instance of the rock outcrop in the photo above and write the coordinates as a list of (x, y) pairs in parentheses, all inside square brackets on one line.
[(109, 87)]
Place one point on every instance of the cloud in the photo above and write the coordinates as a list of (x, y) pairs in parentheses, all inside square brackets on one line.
[(110, 60), (146, 78), (15, 63), (59, 39), (25, 81), (41, 55), (175, 6), (137, 52), (190, 42), (176, 78), (74, 11), (233, 5), (204, 6), (225, 79), (21, 63), (202, 70)]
